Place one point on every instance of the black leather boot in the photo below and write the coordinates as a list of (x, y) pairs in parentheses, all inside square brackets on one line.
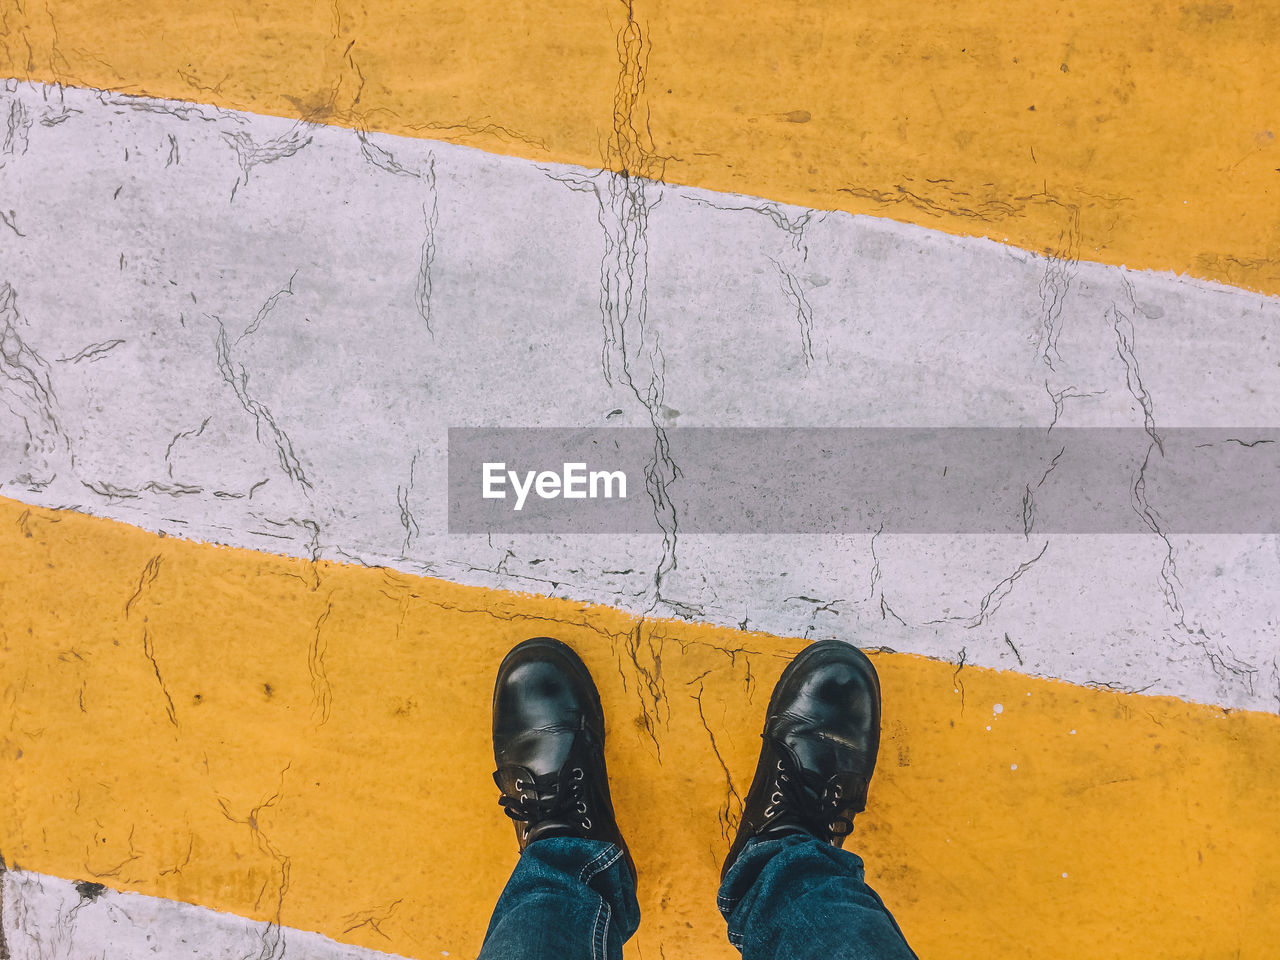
[(548, 744), (821, 734)]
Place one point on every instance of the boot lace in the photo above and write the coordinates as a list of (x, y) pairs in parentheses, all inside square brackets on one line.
[(554, 796), (817, 803)]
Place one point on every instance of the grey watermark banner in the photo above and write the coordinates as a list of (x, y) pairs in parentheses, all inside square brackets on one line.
[(859, 480)]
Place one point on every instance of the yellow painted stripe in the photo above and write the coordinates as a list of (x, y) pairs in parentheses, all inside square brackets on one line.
[(310, 743), (1132, 134)]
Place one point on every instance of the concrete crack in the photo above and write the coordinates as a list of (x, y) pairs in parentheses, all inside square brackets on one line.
[(104, 489), (1123, 325), (1009, 643), (182, 435), (1028, 502), (93, 352), (990, 603), (730, 812), (1119, 687), (112, 492), (631, 354), (956, 682), (10, 220), (732, 653), (687, 611), (250, 154), (310, 550), (5, 953), (185, 112), (875, 562), (1249, 444), (794, 291), (177, 868), (373, 919), (939, 198), (476, 127), (887, 611), (20, 921), (149, 651), (1060, 269), (273, 934), (321, 688), (793, 227), (148, 577), (427, 256), (1125, 338), (381, 158), (25, 388), (787, 264), (17, 130), (270, 304), (1224, 663), (411, 529), (650, 684), (238, 380), (53, 115), (817, 606), (348, 73), (114, 871), (1060, 398), (1169, 582)]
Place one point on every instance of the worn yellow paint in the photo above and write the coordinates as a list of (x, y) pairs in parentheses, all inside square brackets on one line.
[(309, 742), (1136, 134)]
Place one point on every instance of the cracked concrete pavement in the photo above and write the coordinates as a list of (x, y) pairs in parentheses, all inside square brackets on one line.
[(296, 398)]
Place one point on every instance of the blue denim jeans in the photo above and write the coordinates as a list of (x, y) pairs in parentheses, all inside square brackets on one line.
[(793, 898)]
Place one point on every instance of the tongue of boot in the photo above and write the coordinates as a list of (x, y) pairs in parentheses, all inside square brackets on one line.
[(784, 827), (552, 828)]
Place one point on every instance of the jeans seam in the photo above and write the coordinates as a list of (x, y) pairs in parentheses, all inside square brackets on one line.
[(586, 873), (600, 944), (599, 935), (585, 877)]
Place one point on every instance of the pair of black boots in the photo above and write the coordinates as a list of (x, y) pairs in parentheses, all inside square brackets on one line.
[(821, 734)]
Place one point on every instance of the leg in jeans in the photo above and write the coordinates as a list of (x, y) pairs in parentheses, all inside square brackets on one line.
[(572, 896), (568, 898), (796, 898), (788, 891)]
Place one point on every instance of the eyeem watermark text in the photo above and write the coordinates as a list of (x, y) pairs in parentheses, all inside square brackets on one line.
[(1022, 481), (574, 482)]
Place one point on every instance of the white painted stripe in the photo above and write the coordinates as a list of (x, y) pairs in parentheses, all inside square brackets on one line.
[(247, 330), (48, 918)]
